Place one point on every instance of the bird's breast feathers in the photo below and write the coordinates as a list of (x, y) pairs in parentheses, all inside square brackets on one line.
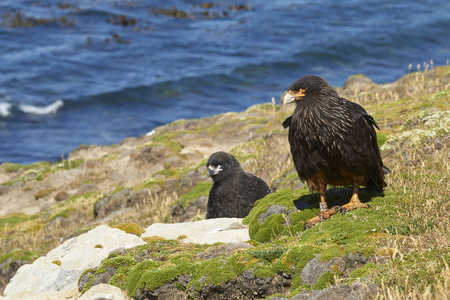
[(321, 127)]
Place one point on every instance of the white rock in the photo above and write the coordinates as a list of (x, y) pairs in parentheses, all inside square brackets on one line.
[(201, 232), (47, 295), (75, 255), (46, 280), (104, 291)]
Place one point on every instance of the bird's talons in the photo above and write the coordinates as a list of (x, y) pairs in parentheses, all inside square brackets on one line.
[(311, 222), (336, 209), (323, 215), (354, 205)]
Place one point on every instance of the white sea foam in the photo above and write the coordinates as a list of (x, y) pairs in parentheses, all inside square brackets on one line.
[(4, 109), (45, 110), (150, 133)]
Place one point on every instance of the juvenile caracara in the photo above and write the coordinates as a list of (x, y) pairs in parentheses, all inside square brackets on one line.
[(234, 191)]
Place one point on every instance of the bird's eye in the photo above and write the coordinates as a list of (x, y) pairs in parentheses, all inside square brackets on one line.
[(303, 87)]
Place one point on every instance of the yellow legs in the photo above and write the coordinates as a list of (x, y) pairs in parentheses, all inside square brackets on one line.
[(326, 213)]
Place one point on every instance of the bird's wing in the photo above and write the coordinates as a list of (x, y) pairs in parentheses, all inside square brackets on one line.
[(364, 120), (359, 113), (255, 186), (287, 122)]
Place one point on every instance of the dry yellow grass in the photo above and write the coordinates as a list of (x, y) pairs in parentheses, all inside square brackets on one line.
[(419, 262)]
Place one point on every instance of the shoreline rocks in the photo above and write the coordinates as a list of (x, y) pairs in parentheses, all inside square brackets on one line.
[(57, 273)]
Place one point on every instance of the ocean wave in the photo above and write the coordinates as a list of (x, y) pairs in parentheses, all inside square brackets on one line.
[(41, 110), (5, 109)]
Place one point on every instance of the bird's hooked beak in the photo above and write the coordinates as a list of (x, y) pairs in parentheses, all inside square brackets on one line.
[(213, 170), (292, 96)]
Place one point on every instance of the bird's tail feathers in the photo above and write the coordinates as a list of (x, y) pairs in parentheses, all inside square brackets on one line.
[(376, 180)]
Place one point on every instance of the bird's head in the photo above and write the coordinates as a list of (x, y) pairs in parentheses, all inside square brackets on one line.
[(220, 165), (305, 87)]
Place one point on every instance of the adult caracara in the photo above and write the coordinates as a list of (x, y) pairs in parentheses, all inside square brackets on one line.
[(333, 141), (234, 191)]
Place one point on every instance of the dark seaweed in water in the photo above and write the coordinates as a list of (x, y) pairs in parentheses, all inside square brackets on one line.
[(122, 68)]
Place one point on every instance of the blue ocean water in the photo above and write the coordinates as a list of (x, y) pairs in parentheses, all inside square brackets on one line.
[(78, 72)]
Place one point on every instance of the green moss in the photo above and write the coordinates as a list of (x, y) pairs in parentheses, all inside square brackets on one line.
[(117, 189), (381, 139), (220, 270), (335, 268), (83, 147), (149, 183), (166, 260), (20, 254), (43, 193), (166, 139), (298, 256), (269, 270), (68, 164), (305, 287), (122, 263), (248, 150), (164, 267), (276, 224), (200, 189), (43, 165), (340, 235), (8, 183), (269, 254), (180, 122), (154, 278), (363, 271), (65, 208), (88, 284), (216, 271), (287, 176), (348, 233), (11, 167), (13, 219), (132, 228), (56, 262), (168, 172), (135, 274), (324, 281), (215, 129), (401, 229), (150, 239), (32, 174), (63, 213)]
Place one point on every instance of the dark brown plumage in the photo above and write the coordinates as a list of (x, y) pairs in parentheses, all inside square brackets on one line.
[(333, 141), (234, 191)]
